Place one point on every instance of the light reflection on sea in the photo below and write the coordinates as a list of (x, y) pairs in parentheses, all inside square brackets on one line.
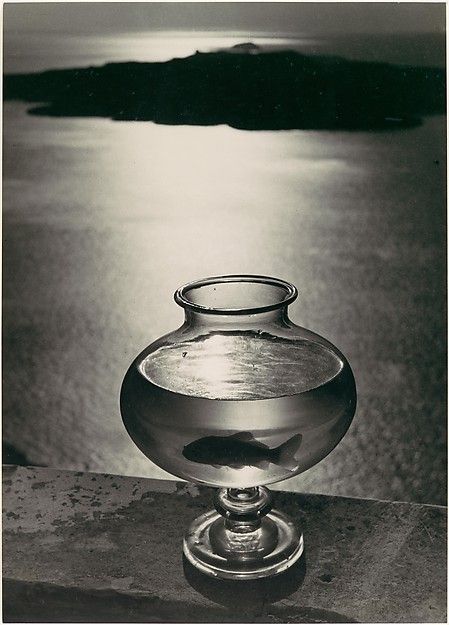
[(103, 220), (36, 51), (64, 50)]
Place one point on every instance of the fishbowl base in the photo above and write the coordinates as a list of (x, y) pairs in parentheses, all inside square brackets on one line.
[(221, 553)]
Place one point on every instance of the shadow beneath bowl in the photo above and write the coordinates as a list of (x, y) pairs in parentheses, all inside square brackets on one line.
[(249, 595)]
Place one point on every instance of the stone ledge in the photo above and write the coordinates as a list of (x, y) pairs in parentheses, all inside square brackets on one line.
[(85, 547)]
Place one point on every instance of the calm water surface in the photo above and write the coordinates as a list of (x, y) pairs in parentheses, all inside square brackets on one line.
[(103, 220), (39, 51)]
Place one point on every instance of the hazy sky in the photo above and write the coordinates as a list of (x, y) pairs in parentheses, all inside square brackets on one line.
[(296, 17)]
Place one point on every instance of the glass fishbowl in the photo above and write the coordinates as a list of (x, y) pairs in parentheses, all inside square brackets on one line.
[(239, 397)]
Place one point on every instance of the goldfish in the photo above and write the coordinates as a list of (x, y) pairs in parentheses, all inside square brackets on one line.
[(242, 450)]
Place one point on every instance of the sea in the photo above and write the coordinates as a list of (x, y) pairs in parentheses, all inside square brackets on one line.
[(103, 220)]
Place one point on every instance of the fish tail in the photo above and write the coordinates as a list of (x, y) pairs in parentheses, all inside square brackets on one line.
[(287, 451)]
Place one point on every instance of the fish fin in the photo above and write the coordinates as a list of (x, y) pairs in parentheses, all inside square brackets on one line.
[(287, 451), (241, 436), (235, 465), (259, 445), (262, 464), (247, 437)]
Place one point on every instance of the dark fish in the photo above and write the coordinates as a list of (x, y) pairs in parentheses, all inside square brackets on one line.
[(242, 450)]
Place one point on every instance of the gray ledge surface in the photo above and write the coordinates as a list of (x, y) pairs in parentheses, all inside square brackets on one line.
[(89, 547)]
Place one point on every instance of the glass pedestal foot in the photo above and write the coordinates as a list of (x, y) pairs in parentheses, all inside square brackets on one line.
[(244, 538)]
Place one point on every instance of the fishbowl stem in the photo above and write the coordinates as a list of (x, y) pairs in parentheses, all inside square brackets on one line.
[(244, 538), (243, 508)]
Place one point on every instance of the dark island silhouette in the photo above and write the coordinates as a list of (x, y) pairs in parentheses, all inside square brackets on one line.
[(266, 91)]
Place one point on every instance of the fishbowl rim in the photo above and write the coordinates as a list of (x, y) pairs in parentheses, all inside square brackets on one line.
[(181, 300)]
